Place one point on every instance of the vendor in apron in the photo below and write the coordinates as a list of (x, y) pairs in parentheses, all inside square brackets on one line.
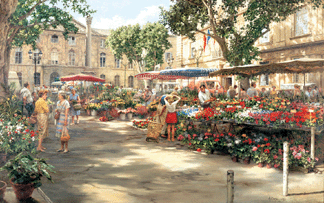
[(204, 97)]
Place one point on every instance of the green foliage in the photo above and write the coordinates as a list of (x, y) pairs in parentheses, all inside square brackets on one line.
[(24, 169), (11, 104), (31, 17), (236, 39), (144, 46)]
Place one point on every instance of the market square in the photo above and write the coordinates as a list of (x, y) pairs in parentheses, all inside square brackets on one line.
[(161, 101)]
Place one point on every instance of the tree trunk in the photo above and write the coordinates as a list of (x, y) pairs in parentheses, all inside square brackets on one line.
[(7, 7)]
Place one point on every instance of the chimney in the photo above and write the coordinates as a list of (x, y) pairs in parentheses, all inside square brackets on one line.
[(88, 44)]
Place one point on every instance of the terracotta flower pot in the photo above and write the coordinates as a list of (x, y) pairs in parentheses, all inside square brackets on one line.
[(246, 160), (23, 191), (260, 165), (234, 159), (269, 166), (3, 187)]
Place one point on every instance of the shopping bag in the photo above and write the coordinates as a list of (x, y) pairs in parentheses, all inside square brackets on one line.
[(65, 135)]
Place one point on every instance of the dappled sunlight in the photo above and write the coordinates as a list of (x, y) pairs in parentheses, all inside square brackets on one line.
[(171, 160), (120, 162), (104, 193)]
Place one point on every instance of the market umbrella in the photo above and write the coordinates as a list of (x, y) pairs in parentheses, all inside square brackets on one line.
[(82, 77), (189, 72)]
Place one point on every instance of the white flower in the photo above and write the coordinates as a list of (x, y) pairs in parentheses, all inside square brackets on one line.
[(33, 139), (237, 141), (1, 143), (257, 140), (229, 144)]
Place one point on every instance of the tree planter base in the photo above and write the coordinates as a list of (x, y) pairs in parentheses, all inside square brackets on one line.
[(23, 191), (3, 187), (246, 160), (234, 159)]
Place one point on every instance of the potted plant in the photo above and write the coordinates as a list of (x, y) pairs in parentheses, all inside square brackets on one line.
[(25, 173), (122, 114), (3, 187), (129, 112)]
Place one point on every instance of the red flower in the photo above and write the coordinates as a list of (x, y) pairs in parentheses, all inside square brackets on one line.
[(189, 144), (259, 145), (266, 139), (268, 144), (216, 140), (198, 150), (267, 151)]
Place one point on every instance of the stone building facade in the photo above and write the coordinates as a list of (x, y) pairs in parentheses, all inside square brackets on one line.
[(63, 57), (301, 35)]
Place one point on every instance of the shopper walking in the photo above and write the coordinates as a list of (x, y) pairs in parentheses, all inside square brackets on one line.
[(74, 99), (63, 107), (27, 99), (41, 109), (162, 113)]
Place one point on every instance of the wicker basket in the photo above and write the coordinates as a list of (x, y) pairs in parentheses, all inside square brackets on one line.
[(153, 131)]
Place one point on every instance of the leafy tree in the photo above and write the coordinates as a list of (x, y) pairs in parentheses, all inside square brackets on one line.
[(22, 21), (236, 34), (144, 47)]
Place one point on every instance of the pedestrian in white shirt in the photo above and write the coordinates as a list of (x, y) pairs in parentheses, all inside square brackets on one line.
[(27, 99), (252, 92), (171, 118), (204, 96)]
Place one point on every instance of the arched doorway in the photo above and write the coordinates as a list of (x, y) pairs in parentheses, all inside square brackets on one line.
[(53, 76)]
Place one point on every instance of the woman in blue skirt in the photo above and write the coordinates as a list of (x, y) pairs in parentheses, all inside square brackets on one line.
[(73, 99)]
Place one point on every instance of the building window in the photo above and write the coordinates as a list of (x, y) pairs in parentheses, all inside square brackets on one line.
[(168, 56), (117, 80), (37, 75), (71, 58), (117, 63), (54, 39), (72, 40), (301, 24), (18, 56), (192, 50), (264, 80), (102, 60), (102, 43), (102, 76), (54, 57), (296, 78), (266, 37), (130, 66), (19, 74), (131, 81)]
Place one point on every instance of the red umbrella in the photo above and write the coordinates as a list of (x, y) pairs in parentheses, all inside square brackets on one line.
[(82, 77)]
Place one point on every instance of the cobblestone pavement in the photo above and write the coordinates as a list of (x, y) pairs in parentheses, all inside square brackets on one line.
[(111, 162)]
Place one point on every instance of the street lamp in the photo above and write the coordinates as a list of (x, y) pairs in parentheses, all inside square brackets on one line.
[(197, 54), (36, 57)]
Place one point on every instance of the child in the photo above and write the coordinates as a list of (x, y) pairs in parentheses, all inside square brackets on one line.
[(171, 118)]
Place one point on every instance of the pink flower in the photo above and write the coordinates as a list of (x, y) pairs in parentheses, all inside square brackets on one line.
[(308, 159), (298, 156), (294, 153), (280, 151), (254, 149), (206, 137), (275, 157), (189, 127), (194, 135), (316, 159), (276, 165)]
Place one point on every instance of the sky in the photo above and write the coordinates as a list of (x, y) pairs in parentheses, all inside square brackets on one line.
[(112, 14)]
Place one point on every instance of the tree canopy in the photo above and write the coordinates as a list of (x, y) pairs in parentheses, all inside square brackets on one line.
[(142, 46), (235, 25), (22, 21)]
